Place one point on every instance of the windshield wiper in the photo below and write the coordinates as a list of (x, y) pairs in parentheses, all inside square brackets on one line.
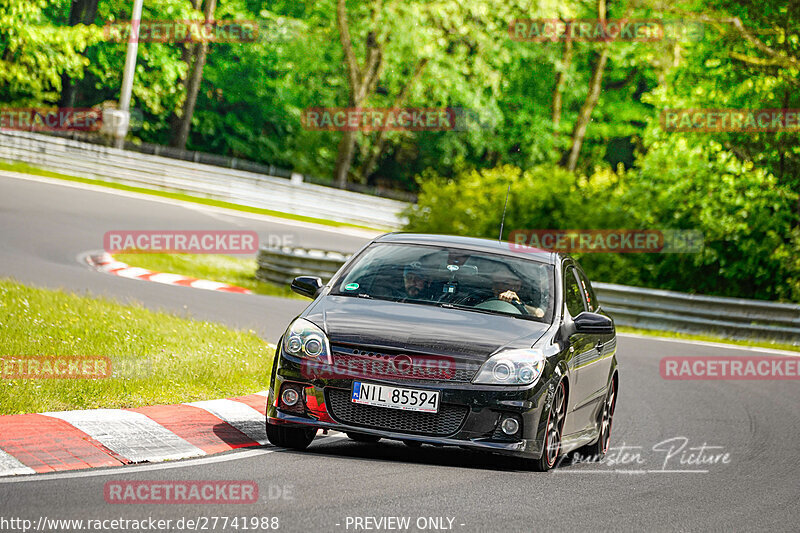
[(448, 305)]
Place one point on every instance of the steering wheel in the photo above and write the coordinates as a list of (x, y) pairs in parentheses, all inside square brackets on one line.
[(496, 304)]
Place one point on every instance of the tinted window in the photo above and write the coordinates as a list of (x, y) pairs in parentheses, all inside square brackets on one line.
[(572, 293), (450, 277)]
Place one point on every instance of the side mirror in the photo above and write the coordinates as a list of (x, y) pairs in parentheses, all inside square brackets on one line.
[(308, 286), (593, 323)]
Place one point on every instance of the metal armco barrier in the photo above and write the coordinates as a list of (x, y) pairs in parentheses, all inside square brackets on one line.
[(734, 318), (282, 265), (93, 161)]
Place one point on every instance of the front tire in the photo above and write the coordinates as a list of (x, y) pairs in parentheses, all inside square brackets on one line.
[(553, 430), (296, 438)]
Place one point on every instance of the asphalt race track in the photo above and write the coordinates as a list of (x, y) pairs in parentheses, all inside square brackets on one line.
[(650, 483)]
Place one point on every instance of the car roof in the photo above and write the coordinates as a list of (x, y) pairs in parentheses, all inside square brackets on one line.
[(474, 244)]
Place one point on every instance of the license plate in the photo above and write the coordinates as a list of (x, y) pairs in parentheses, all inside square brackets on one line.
[(395, 397)]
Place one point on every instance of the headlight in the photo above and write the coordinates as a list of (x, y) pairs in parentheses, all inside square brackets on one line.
[(304, 339), (512, 367)]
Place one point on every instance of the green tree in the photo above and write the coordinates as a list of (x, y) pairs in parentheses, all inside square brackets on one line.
[(35, 52)]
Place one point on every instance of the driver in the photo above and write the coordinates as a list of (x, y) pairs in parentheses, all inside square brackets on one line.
[(417, 282), (505, 286)]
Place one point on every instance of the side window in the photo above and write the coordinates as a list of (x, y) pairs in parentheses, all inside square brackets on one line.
[(591, 299), (572, 293)]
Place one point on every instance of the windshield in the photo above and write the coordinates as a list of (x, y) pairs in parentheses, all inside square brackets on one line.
[(451, 277)]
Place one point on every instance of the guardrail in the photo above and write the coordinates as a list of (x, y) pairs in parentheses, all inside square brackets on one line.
[(292, 196), (230, 162), (733, 318), (282, 265)]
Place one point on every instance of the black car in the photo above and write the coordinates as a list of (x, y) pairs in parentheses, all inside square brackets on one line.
[(450, 341)]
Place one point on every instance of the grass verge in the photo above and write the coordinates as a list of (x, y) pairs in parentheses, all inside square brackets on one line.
[(221, 268), (708, 338), (28, 169), (156, 357)]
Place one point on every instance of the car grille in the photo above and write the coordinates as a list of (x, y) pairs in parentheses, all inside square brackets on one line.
[(445, 422), (365, 363)]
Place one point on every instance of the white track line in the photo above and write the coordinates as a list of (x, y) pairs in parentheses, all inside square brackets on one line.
[(10, 466), (164, 277), (129, 434), (711, 344), (133, 469), (239, 415), (338, 230), (208, 285), (132, 272)]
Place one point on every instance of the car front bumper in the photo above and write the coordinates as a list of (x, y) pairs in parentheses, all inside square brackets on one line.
[(469, 415)]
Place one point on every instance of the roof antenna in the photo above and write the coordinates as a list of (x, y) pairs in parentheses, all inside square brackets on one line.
[(503, 220)]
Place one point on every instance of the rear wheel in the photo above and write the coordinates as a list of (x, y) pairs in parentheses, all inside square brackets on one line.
[(553, 430), (297, 438), (363, 437)]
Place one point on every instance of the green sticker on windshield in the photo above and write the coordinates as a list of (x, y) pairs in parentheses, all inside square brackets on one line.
[(351, 286)]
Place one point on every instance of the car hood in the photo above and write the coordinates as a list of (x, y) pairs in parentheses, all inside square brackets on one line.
[(417, 328)]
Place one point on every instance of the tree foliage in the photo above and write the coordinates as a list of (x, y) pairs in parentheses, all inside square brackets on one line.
[(534, 109)]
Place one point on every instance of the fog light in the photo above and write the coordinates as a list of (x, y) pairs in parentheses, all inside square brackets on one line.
[(509, 426), (290, 397)]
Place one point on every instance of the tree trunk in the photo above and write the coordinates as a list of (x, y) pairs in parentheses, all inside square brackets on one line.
[(570, 158), (362, 82), (558, 91), (81, 12), (182, 125), (380, 141), (344, 158)]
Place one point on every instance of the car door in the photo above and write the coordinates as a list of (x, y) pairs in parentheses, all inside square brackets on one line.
[(594, 369), (582, 349)]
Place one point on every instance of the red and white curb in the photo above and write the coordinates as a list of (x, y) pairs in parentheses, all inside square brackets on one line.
[(71, 440), (74, 440), (104, 262)]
